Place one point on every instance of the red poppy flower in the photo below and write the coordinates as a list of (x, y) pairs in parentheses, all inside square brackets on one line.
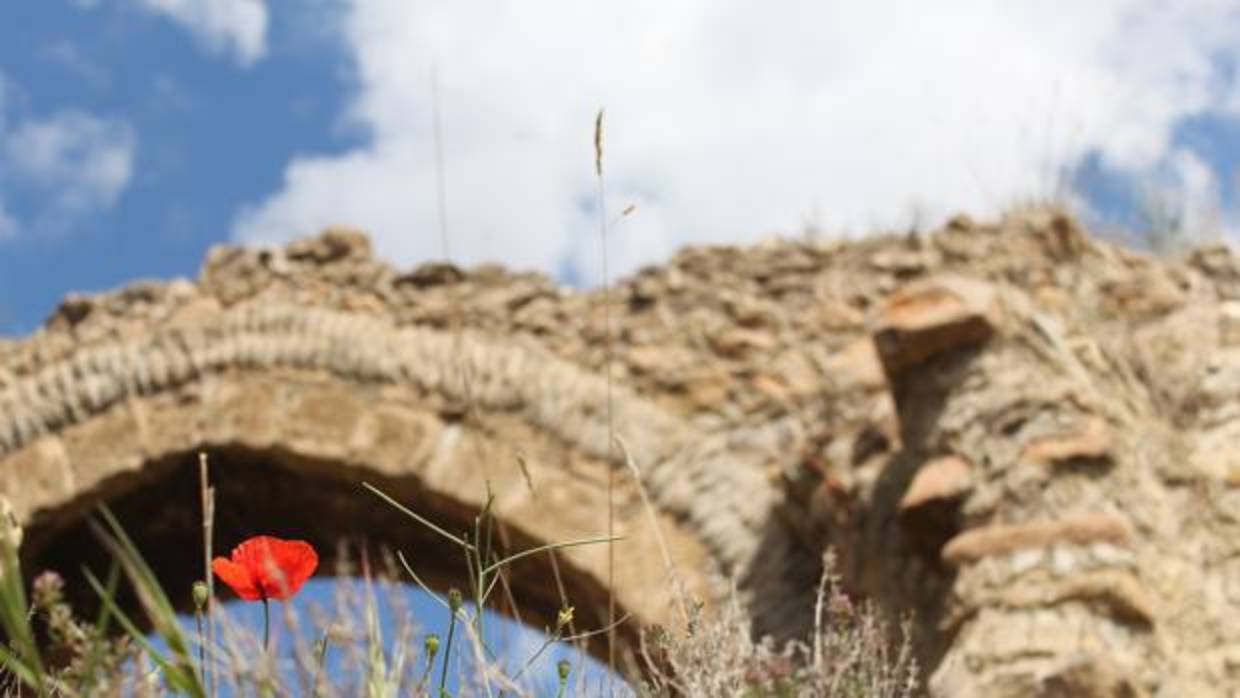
[(264, 567)]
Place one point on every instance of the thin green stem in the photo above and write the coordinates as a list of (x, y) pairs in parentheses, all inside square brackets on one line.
[(416, 517), (562, 669), (418, 580), (266, 624), (202, 648), (550, 546), (551, 640), (432, 645), (447, 652), (482, 534)]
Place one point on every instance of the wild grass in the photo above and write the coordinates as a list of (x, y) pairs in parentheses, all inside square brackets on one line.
[(344, 651)]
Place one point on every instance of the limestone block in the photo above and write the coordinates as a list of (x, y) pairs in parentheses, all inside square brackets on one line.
[(36, 476), (394, 439), (1089, 440), (108, 444), (173, 421), (1079, 529), (927, 318), (244, 411), (858, 365), (320, 420), (738, 343), (940, 479)]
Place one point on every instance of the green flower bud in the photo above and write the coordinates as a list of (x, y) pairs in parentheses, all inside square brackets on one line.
[(562, 667), (564, 617), (454, 600), (201, 594), (431, 643)]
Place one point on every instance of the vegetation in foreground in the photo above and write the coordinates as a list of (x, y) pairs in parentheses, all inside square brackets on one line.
[(50, 651)]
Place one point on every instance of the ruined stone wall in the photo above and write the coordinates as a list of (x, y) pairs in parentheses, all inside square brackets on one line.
[(1016, 431)]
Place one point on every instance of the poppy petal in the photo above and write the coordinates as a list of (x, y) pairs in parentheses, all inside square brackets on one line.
[(278, 567), (296, 561), (237, 577)]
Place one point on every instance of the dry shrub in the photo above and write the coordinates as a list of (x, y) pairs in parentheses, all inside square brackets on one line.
[(851, 654)]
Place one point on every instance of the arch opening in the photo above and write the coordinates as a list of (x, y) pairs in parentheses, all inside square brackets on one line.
[(275, 491)]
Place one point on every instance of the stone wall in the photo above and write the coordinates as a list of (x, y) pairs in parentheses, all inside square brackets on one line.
[(1013, 430)]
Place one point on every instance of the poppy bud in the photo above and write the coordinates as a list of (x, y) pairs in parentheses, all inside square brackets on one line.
[(201, 593), (454, 600), (562, 667), (431, 643)]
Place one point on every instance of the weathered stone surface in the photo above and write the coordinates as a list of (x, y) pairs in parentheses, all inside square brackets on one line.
[(1089, 676), (1090, 440), (394, 439), (857, 365), (245, 412), (37, 477), (942, 478), (101, 447), (934, 316), (321, 420), (1087, 548), (1078, 529), (738, 343)]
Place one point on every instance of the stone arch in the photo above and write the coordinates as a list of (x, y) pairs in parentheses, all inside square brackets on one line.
[(334, 398)]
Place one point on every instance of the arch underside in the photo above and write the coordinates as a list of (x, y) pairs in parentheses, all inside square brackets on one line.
[(279, 493)]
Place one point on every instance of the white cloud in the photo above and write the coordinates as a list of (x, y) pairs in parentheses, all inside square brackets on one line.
[(239, 26), (60, 166), (729, 120), (80, 161)]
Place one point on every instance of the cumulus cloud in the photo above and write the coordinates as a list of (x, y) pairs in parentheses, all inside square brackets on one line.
[(729, 120), (58, 167), (77, 161), (236, 26)]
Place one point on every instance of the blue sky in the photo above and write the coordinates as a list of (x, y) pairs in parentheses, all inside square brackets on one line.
[(206, 135), (134, 134), (521, 652)]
